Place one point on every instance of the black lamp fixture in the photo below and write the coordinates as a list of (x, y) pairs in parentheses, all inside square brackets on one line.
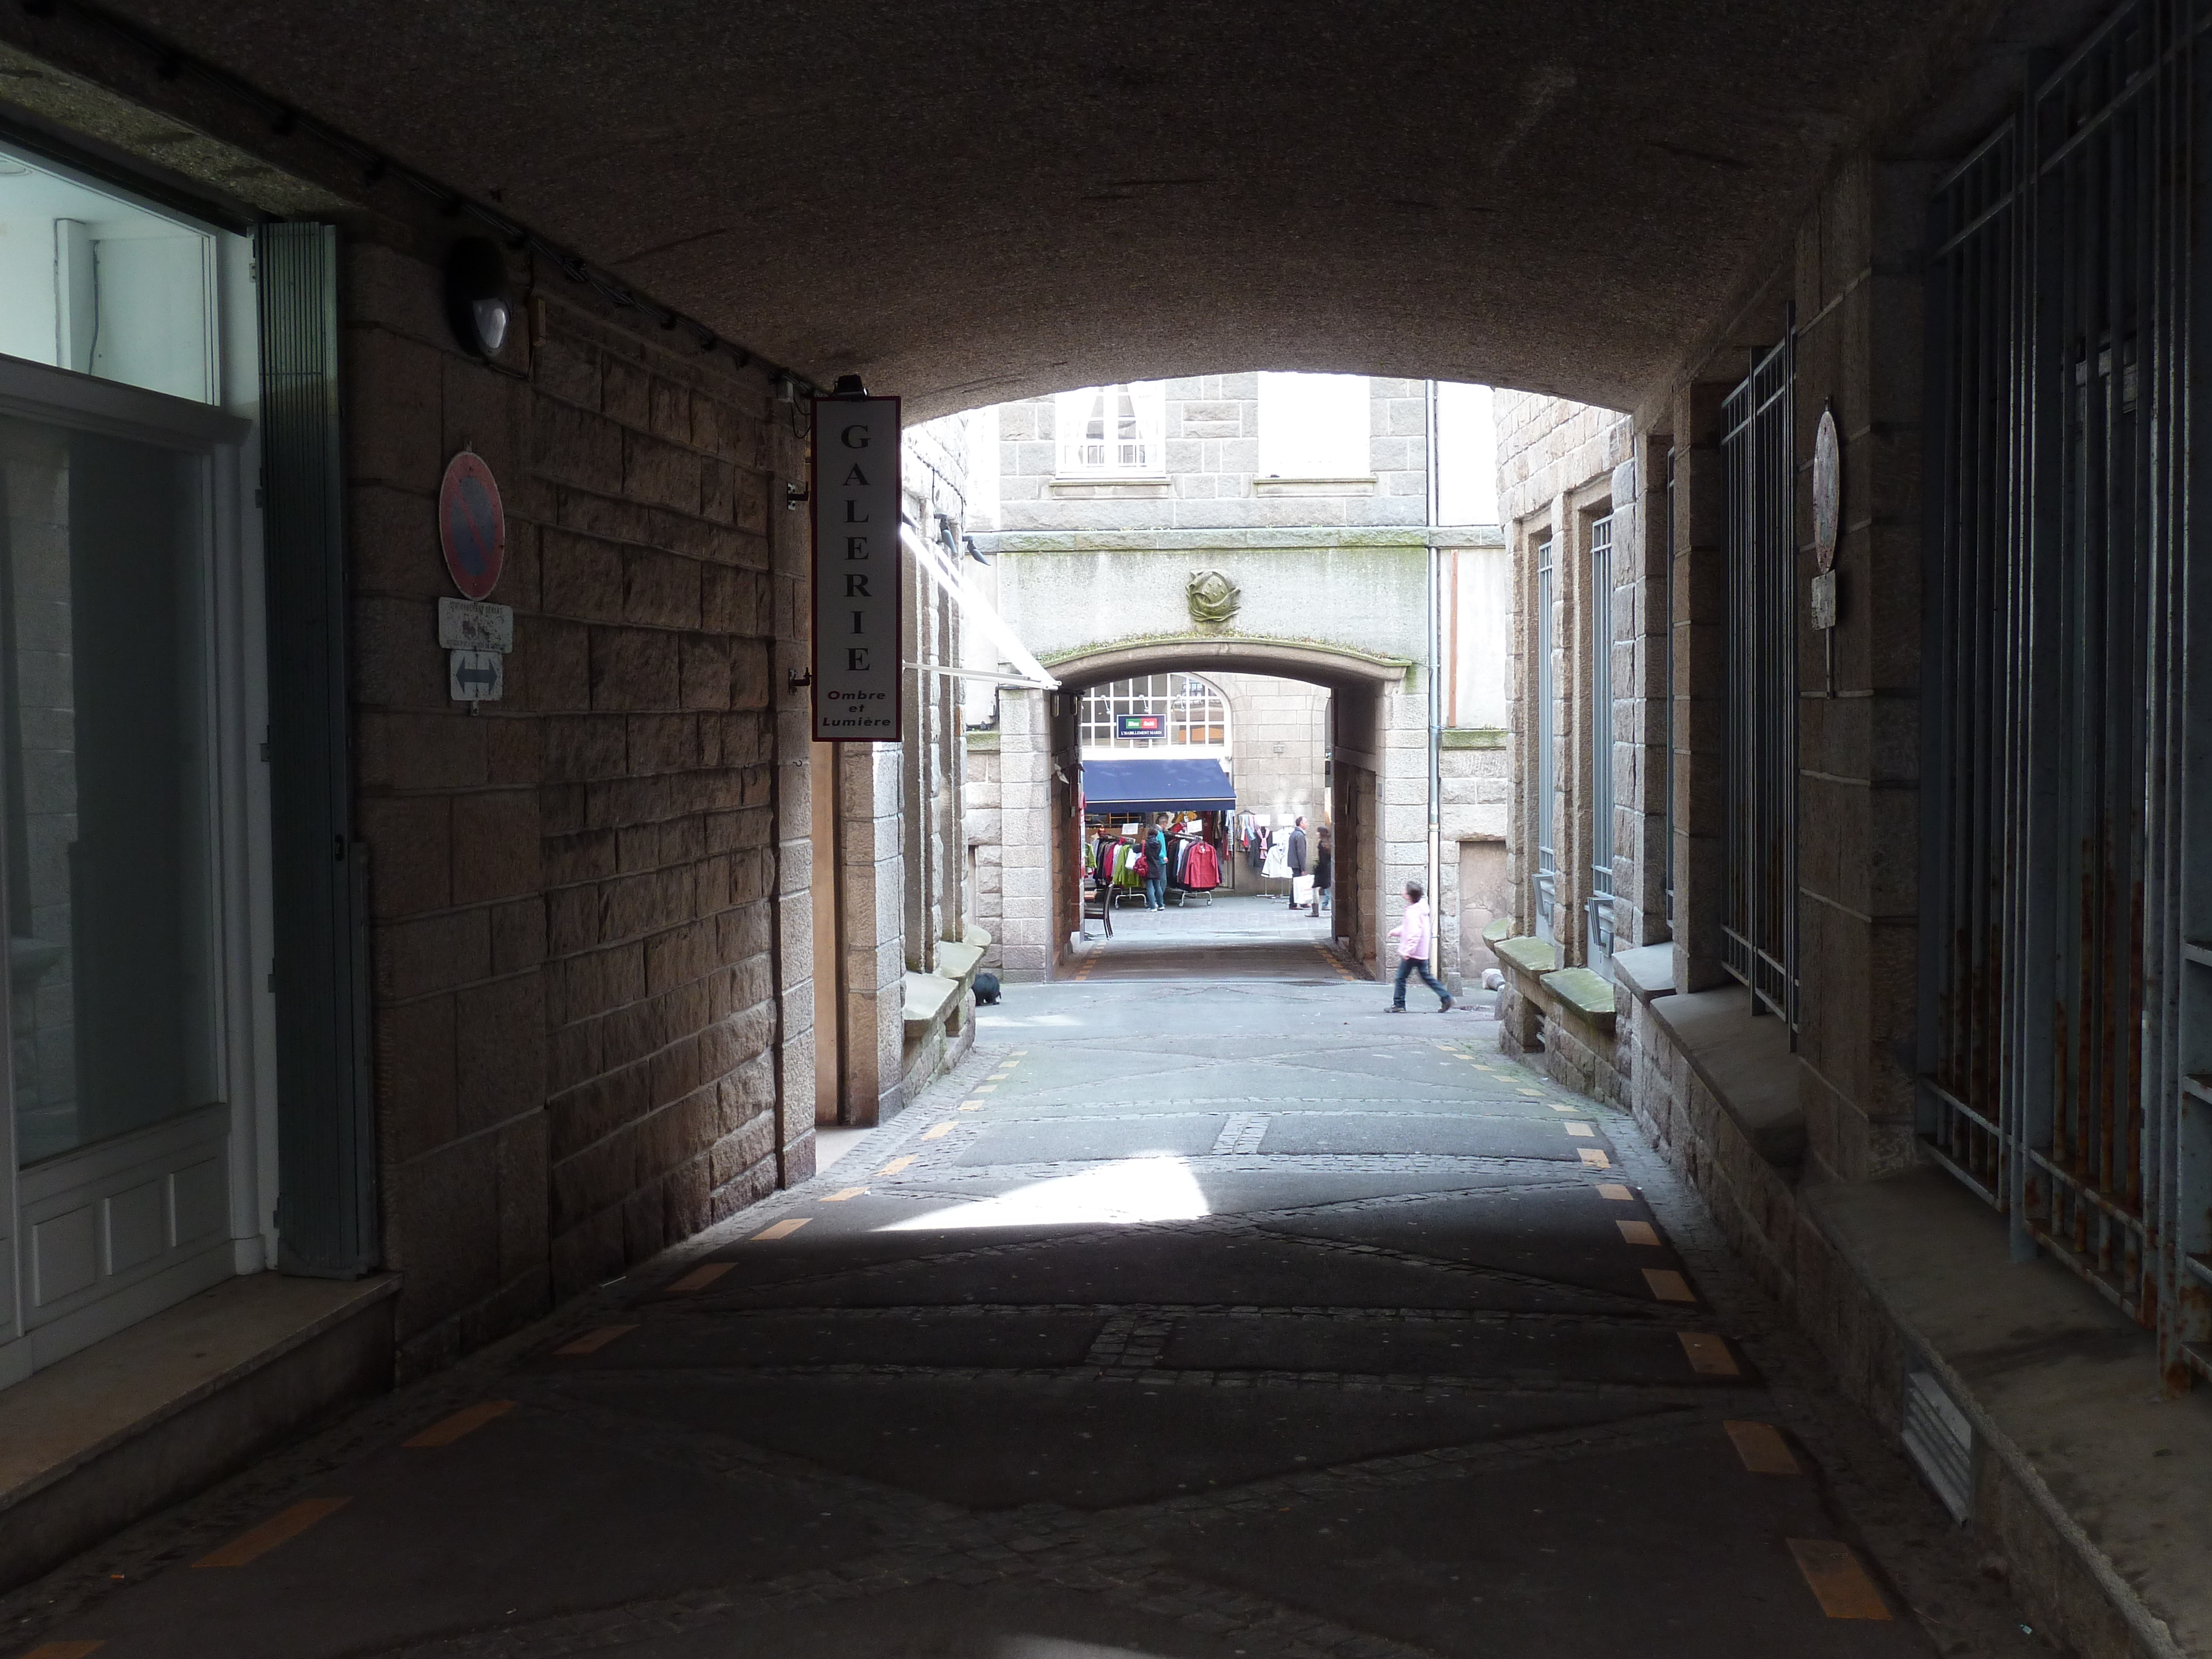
[(477, 303)]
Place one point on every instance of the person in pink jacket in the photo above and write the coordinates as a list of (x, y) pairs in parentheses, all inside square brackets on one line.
[(1416, 939)]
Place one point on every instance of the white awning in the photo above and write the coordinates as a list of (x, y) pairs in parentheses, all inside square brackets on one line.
[(975, 608)]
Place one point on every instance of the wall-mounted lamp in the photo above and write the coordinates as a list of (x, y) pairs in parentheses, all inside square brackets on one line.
[(477, 303)]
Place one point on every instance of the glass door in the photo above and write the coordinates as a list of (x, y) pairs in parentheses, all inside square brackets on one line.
[(134, 1154), (108, 869)]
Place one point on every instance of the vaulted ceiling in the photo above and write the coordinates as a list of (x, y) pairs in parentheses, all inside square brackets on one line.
[(972, 200)]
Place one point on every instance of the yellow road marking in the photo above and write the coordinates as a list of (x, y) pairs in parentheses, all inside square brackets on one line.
[(699, 1277), (1637, 1232), (1708, 1355), (972, 1106), (782, 1228), (1595, 1157), (1668, 1285), (1557, 1108), (64, 1650), (1762, 1448), (896, 1165), (466, 1420), (985, 1088), (285, 1524), (1839, 1580), (1582, 1129), (592, 1341), (936, 1131), (840, 1196), (1537, 1093), (1616, 1191), (1018, 1053)]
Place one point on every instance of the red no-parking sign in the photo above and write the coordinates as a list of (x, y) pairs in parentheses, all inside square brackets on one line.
[(471, 525)]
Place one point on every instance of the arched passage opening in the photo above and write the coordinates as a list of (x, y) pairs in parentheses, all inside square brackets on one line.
[(1352, 698)]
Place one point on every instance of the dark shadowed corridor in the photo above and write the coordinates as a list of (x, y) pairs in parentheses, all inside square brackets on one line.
[(1190, 1319)]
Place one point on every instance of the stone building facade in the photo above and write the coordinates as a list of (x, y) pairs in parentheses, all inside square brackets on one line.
[(1327, 649), (552, 1003)]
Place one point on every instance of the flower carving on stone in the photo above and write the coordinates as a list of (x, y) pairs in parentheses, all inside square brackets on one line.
[(1213, 598)]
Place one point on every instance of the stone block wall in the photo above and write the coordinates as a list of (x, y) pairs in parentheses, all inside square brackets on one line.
[(577, 892), (1558, 463), (1209, 473)]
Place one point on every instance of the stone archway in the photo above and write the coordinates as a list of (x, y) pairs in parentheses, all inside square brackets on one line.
[(1380, 841)]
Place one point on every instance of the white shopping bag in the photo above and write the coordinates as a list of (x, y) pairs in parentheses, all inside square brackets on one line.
[(1302, 890)]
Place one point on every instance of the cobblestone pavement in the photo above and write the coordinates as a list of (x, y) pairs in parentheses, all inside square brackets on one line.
[(1187, 1319)]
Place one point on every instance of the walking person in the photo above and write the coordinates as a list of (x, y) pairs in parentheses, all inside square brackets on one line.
[(1324, 870), (1416, 937), (1156, 866), (1295, 855)]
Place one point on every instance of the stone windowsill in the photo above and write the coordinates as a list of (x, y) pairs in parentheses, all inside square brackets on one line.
[(1345, 486), (1648, 969), (1076, 487), (2057, 1382), (1532, 956), (1472, 737), (1582, 992), (931, 998), (1744, 1059)]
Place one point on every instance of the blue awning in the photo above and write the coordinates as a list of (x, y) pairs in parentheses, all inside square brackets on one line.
[(1158, 785)]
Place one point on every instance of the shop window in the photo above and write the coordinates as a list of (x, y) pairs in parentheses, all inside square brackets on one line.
[(1314, 426), (1111, 428), (1179, 711), (111, 940), (103, 286)]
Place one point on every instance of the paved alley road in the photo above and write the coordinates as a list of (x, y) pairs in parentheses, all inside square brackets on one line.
[(1187, 1320)]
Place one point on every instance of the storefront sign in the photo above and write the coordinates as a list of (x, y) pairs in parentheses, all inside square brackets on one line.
[(471, 525), (1141, 725), (858, 655)]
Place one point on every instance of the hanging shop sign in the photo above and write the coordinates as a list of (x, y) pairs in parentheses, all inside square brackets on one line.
[(1141, 725), (858, 614), (471, 525), (1827, 510)]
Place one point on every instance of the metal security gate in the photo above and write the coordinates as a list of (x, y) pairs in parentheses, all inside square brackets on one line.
[(2067, 936), (1761, 927), (1599, 903), (1546, 876)]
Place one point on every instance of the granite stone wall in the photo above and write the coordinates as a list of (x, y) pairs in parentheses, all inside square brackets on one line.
[(590, 945)]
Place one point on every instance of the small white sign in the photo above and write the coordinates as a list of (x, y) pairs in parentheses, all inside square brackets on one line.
[(474, 625), (476, 676), (858, 563), (1823, 590)]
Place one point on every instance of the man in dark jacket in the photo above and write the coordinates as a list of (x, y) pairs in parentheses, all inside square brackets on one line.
[(1295, 852)]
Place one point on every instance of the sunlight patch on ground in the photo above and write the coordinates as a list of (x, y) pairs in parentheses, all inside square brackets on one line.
[(1149, 1187)]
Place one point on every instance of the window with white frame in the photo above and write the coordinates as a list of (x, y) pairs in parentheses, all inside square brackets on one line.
[(1111, 428), (1314, 426), (1193, 714)]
